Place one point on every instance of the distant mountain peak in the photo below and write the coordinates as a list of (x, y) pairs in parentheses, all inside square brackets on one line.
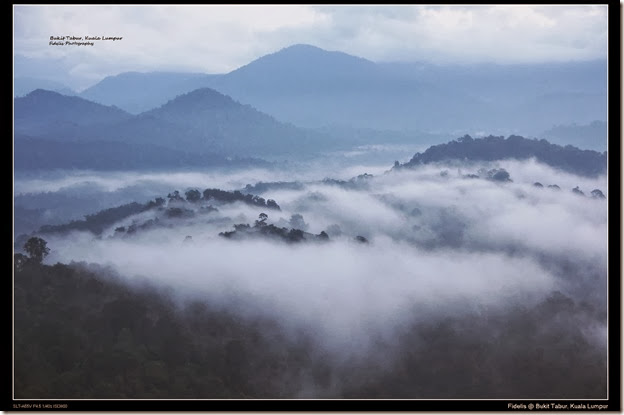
[(311, 51), (137, 92), (40, 92), (53, 100), (43, 113), (202, 97), (205, 92), (302, 46), (307, 59), (23, 85)]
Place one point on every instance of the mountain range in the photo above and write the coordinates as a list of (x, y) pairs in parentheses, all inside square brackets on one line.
[(207, 128), (311, 87), (23, 85), (137, 92), (299, 101), (203, 127)]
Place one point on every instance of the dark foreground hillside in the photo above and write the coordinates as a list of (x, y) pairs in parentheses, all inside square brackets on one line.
[(86, 334)]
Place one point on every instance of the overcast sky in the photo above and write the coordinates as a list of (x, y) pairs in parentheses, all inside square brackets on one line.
[(218, 39)]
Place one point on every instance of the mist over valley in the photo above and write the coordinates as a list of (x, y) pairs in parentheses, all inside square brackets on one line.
[(363, 267), (313, 224)]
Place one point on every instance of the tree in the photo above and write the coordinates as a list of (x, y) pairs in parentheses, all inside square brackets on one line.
[(295, 235), (499, 175), (258, 201), (272, 204), (193, 195), (36, 248), (262, 218), (174, 196), (596, 193), (296, 222), (159, 201)]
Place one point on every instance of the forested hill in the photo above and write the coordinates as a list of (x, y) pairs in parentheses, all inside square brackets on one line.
[(81, 332), (202, 127), (216, 122), (491, 148)]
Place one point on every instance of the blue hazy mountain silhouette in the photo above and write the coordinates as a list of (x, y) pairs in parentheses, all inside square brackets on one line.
[(259, 107), (204, 123), (312, 87), (215, 121), (137, 92), (23, 85), (50, 114)]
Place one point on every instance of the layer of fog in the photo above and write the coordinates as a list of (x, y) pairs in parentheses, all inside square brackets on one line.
[(338, 165), (61, 196), (440, 245)]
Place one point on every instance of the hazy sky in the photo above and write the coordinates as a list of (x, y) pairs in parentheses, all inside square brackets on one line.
[(218, 39)]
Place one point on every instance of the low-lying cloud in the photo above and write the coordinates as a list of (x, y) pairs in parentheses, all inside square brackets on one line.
[(440, 246)]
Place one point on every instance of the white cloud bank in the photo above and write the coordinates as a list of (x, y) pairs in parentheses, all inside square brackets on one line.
[(440, 244), (218, 39)]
